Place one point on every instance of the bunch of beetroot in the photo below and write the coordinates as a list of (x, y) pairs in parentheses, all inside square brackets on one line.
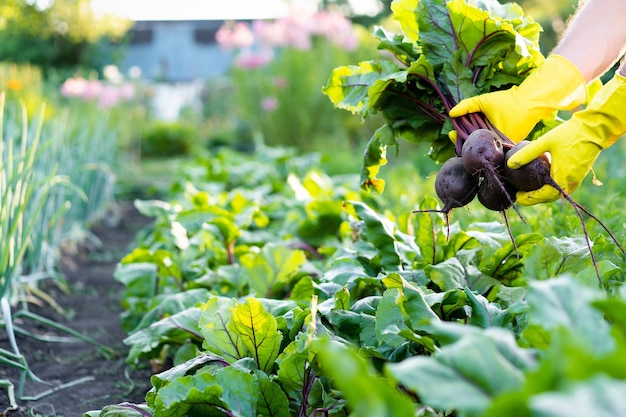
[(481, 171)]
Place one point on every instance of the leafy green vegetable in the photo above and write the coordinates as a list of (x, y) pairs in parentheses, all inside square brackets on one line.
[(177, 329), (600, 397), (380, 232), (123, 409), (564, 302), (274, 266), (427, 319), (237, 331), (258, 332), (367, 393), (449, 50), (473, 371)]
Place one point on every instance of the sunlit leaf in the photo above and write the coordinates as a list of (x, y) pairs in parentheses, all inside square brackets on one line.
[(216, 314), (257, 331), (405, 12), (374, 157), (348, 86), (273, 266)]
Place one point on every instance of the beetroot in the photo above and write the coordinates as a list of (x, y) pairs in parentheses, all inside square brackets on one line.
[(454, 185), (531, 176), (496, 195), (482, 152), (481, 171), (483, 156)]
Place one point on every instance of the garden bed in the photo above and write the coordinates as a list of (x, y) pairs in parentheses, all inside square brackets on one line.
[(91, 307)]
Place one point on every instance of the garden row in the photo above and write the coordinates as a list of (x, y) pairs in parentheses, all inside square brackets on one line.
[(55, 181), (266, 287)]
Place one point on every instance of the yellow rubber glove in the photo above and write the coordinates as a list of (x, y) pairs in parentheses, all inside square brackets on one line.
[(575, 144), (555, 85)]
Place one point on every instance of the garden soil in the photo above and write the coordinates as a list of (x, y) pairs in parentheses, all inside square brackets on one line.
[(91, 304)]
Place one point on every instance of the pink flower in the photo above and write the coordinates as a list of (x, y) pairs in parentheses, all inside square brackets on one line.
[(298, 33), (109, 96), (249, 59), (92, 89), (73, 87), (336, 28), (271, 33), (234, 35), (292, 30), (269, 104), (127, 91), (299, 39)]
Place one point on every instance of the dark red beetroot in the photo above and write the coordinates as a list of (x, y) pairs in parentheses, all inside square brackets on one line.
[(454, 186), (482, 152), (529, 177), (483, 157), (495, 195)]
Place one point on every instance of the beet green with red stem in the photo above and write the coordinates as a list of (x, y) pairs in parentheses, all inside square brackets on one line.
[(448, 50)]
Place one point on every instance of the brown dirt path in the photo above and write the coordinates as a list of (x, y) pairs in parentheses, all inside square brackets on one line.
[(92, 307)]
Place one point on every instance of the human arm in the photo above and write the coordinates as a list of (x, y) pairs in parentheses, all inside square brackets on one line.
[(575, 144), (594, 40), (595, 37)]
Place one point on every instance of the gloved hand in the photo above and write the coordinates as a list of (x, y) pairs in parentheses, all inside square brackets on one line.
[(555, 85), (575, 144)]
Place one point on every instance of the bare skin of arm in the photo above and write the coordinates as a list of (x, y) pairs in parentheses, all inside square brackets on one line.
[(595, 38)]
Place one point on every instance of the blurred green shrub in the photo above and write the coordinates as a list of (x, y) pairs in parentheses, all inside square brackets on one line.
[(167, 139), (239, 136)]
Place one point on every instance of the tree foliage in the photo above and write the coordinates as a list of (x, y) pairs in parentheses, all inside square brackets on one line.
[(65, 34)]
